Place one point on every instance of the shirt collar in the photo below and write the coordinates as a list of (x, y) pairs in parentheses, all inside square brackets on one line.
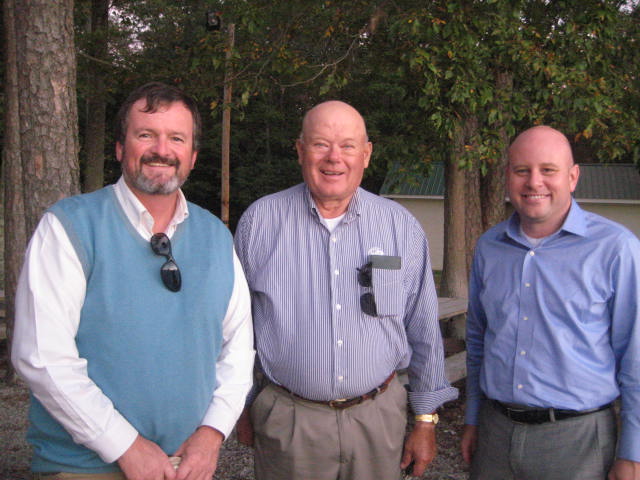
[(140, 217), (575, 223), (353, 210)]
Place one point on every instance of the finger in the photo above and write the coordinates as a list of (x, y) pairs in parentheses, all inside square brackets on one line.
[(407, 458), (419, 468)]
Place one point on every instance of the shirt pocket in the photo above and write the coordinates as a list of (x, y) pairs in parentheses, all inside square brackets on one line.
[(388, 292)]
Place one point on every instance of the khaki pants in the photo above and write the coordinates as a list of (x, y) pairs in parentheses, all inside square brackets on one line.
[(300, 440), (79, 476)]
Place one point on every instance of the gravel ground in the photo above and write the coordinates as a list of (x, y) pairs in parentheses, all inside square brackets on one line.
[(235, 460)]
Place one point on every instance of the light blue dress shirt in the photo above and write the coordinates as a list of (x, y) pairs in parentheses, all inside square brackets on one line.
[(557, 325), (311, 334)]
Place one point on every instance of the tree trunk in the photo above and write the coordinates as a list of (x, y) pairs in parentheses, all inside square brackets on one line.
[(454, 271), (47, 103), (15, 236), (493, 183), (97, 100), (473, 215), (40, 154)]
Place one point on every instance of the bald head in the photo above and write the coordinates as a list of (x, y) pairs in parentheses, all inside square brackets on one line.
[(333, 151), (332, 109), (541, 176), (542, 139)]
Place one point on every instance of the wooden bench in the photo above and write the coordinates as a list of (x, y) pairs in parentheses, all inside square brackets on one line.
[(456, 364)]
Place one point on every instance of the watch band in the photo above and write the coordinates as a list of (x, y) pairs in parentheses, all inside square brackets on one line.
[(428, 418)]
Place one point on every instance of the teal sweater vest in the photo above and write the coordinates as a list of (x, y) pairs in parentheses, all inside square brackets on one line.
[(152, 352)]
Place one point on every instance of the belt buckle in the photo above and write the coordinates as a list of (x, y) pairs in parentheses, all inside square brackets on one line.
[(337, 403)]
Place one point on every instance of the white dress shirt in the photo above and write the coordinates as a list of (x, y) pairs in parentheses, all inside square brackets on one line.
[(49, 298)]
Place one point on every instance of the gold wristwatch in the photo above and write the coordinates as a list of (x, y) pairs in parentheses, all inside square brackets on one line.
[(428, 418)]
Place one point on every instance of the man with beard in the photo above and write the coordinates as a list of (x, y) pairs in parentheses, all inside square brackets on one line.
[(133, 325)]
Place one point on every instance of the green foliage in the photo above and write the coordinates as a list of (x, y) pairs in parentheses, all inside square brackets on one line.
[(415, 70)]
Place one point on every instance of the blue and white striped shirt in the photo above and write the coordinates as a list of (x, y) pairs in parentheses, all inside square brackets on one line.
[(311, 334)]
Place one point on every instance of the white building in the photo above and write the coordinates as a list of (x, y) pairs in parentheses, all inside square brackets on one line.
[(611, 190)]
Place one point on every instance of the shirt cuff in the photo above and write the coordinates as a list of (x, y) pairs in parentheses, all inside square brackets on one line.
[(472, 412), (427, 402), (629, 444), (221, 418), (112, 444)]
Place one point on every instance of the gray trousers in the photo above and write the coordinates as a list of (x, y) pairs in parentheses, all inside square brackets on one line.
[(578, 448), (300, 440)]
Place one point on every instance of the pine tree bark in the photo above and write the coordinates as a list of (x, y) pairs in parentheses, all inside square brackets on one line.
[(15, 236), (40, 156), (47, 103)]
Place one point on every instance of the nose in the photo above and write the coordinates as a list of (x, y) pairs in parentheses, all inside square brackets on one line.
[(160, 146), (534, 179), (334, 153)]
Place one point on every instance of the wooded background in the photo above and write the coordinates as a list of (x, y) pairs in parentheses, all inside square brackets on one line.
[(451, 81)]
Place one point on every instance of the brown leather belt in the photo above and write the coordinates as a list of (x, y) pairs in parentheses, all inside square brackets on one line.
[(538, 416), (347, 402)]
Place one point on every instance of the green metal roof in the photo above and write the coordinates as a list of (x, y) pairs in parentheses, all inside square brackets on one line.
[(399, 183), (610, 181)]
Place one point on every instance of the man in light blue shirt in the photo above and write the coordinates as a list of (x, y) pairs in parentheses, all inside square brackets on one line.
[(553, 331), (343, 296)]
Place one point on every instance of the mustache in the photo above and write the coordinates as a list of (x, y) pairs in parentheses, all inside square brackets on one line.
[(155, 158)]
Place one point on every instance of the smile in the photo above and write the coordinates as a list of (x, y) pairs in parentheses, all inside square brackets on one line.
[(159, 161), (156, 164)]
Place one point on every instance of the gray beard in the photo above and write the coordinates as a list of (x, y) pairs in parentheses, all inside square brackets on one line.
[(151, 187)]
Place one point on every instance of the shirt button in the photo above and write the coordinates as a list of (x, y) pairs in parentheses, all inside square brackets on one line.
[(532, 253), (340, 343), (336, 272), (522, 352), (334, 239), (520, 387), (340, 378), (338, 307), (527, 284), (525, 318)]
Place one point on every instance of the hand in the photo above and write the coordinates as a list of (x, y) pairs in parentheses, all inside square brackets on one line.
[(624, 470), (244, 428), (469, 442), (420, 448), (199, 454), (144, 460)]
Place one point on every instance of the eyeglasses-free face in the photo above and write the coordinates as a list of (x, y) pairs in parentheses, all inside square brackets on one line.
[(367, 300), (169, 272)]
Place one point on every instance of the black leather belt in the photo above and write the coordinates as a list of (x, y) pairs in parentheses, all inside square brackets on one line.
[(348, 402), (543, 415)]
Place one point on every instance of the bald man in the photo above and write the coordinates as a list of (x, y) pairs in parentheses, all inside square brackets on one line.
[(553, 331), (343, 296)]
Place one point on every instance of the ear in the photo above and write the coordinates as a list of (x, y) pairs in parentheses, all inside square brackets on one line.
[(119, 150), (574, 174), (300, 150), (368, 149), (194, 156)]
